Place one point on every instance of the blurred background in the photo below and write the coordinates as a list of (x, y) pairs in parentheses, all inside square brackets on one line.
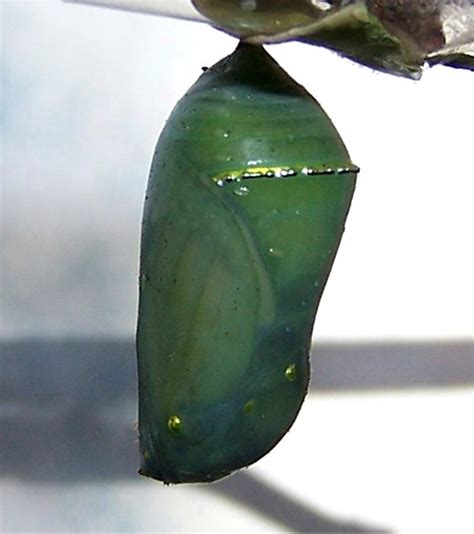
[(384, 441)]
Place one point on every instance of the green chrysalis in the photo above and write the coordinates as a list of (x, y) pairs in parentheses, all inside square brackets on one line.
[(248, 193)]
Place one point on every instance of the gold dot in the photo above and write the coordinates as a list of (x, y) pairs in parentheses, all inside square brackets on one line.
[(174, 423), (290, 372), (249, 406), (146, 456)]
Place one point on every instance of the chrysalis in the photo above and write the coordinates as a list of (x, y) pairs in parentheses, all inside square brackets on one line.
[(248, 193)]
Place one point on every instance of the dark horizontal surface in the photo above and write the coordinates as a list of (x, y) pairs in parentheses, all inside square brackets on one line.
[(392, 365), (87, 371)]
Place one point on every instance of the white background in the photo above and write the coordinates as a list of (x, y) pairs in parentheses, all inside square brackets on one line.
[(85, 93)]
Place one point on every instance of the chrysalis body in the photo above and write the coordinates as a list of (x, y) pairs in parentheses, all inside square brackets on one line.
[(248, 193)]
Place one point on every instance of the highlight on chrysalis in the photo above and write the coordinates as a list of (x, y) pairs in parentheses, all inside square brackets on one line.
[(247, 198)]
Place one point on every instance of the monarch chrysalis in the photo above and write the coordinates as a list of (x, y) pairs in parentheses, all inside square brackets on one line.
[(248, 193)]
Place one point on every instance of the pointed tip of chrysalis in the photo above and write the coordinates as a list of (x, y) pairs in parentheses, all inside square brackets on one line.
[(250, 64)]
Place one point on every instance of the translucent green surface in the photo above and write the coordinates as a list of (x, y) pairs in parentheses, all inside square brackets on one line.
[(249, 190)]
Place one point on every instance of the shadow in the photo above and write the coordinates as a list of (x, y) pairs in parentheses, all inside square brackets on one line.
[(83, 373), (392, 365), (284, 509)]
